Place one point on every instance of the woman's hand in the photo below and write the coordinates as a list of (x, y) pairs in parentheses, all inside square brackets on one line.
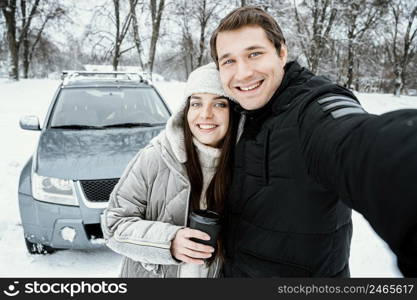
[(183, 249)]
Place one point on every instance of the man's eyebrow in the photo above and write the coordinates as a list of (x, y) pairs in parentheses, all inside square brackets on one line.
[(224, 56), (254, 47), (250, 48)]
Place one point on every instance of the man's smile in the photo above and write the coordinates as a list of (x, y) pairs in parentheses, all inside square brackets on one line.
[(250, 87)]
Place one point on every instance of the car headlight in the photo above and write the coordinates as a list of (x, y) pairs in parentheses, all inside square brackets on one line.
[(53, 190)]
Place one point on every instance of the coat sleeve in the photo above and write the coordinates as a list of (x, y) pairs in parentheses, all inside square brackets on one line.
[(123, 222), (371, 163)]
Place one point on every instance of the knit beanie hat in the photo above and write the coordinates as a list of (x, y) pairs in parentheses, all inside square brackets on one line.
[(205, 79)]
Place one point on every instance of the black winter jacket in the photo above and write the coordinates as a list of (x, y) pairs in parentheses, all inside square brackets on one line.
[(303, 161)]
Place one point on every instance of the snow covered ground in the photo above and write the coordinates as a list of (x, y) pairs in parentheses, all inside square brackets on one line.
[(370, 256)]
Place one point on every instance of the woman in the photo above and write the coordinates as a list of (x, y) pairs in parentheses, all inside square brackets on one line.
[(186, 167)]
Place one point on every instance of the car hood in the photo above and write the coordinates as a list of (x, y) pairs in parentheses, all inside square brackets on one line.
[(90, 154)]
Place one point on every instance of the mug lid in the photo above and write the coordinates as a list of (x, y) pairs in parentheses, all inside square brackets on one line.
[(205, 216)]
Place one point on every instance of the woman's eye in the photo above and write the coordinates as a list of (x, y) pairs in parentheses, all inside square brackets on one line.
[(221, 104), (195, 104)]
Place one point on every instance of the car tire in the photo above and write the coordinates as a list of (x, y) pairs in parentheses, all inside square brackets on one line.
[(38, 248)]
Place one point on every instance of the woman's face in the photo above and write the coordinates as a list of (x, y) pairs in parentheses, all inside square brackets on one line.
[(208, 118)]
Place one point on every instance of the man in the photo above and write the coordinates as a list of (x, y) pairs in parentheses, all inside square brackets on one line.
[(308, 154)]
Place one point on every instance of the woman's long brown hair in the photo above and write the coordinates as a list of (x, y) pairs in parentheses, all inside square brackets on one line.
[(217, 191)]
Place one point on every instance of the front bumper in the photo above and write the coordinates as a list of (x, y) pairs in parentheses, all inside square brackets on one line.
[(43, 222)]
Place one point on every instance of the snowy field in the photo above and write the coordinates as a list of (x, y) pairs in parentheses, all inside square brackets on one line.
[(370, 256)]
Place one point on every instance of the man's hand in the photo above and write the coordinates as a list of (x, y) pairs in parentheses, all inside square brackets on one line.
[(183, 249)]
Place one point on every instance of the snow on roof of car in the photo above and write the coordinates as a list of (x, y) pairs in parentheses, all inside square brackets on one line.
[(83, 77)]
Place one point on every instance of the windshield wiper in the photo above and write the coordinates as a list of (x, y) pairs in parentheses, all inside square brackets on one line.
[(76, 126), (141, 124), (130, 124)]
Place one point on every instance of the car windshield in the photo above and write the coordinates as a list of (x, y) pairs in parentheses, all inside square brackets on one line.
[(108, 107)]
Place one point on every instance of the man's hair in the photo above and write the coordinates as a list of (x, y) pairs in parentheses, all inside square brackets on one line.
[(248, 16)]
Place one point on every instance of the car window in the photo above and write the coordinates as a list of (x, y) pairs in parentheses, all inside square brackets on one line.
[(108, 106)]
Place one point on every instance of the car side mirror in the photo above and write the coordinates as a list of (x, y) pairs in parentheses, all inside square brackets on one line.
[(29, 123)]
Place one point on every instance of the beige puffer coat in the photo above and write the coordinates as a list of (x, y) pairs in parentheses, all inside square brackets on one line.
[(149, 205)]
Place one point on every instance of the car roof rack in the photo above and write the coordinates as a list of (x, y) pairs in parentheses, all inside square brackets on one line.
[(69, 75)]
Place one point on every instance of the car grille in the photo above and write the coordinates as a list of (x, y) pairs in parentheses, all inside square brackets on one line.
[(98, 190)]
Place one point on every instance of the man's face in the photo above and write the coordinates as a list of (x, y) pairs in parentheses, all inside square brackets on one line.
[(250, 68)]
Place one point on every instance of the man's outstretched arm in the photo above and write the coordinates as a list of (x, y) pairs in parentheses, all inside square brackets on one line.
[(371, 162)]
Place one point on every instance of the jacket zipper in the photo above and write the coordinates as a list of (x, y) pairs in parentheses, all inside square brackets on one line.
[(188, 199), (185, 220), (216, 268)]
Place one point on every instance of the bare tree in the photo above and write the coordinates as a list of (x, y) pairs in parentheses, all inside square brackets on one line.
[(359, 16), (157, 9), (315, 34), (9, 12), (401, 43), (50, 11), (17, 35), (184, 18), (107, 32), (121, 31), (135, 26), (189, 47), (203, 17), (196, 20), (3, 51), (204, 10)]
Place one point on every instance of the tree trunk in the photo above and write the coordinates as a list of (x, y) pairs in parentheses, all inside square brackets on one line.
[(28, 48), (186, 67), (350, 62), (314, 59), (203, 25), (323, 14), (26, 57), (9, 13), (190, 46), (31, 48), (121, 31), (200, 56), (24, 38), (116, 58), (117, 37), (408, 41), (156, 22), (398, 84), (24, 32), (357, 81), (401, 55), (136, 36), (14, 58)]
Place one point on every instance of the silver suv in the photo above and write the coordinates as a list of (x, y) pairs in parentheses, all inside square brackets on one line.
[(95, 124)]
